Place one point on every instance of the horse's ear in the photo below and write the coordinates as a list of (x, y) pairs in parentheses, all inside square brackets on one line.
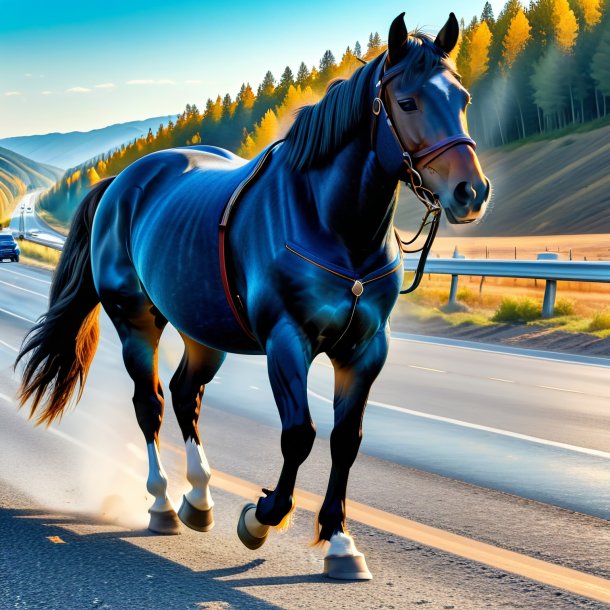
[(447, 38), (397, 37)]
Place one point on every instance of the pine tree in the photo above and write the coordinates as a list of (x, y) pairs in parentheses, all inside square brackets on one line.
[(327, 63), (488, 15), (286, 80), (550, 92), (227, 107), (302, 75), (600, 64), (357, 49), (267, 86)]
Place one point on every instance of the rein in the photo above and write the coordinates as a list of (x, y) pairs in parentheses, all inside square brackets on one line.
[(395, 156)]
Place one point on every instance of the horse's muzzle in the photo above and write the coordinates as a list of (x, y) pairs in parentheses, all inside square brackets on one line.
[(468, 202)]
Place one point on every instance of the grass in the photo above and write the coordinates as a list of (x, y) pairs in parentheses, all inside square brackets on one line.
[(559, 133), (523, 309), (37, 255), (52, 221), (491, 306)]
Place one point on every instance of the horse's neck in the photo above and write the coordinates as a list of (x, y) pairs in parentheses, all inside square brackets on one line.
[(355, 200)]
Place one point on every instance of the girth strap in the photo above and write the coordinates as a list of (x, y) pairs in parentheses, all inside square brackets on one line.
[(233, 299)]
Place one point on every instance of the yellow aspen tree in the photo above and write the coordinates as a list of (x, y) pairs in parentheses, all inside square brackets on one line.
[(566, 25), (456, 50), (516, 38), (591, 11), (266, 131), (479, 51)]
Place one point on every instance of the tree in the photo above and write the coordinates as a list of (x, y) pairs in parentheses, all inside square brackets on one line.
[(591, 12), (550, 93), (302, 75), (516, 38), (267, 86), (357, 49), (327, 65), (488, 15), (566, 26), (600, 65), (479, 51), (496, 49), (286, 80)]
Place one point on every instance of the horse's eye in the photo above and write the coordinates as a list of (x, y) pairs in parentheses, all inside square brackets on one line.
[(408, 104)]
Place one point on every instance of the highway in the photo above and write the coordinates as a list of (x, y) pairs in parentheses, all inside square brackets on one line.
[(26, 220), (497, 447)]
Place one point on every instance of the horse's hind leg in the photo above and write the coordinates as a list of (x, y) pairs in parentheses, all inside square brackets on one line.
[(288, 361), (140, 325), (198, 366), (353, 380)]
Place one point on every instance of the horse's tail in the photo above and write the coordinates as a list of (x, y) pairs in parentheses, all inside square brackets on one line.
[(62, 344)]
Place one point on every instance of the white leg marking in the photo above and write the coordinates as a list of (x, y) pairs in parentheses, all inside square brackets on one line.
[(156, 483), (255, 527), (342, 545), (198, 475)]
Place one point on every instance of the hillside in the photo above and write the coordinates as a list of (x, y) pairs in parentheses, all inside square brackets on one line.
[(552, 187), (19, 174), (71, 149)]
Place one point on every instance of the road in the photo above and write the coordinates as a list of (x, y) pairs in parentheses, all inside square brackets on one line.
[(25, 219), (448, 431)]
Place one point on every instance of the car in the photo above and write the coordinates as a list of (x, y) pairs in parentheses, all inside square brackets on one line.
[(9, 250), (28, 209)]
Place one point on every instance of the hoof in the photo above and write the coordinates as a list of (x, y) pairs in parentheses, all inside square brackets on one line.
[(348, 567), (196, 519), (250, 541), (164, 523)]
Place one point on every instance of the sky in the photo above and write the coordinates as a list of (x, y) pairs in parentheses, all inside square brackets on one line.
[(68, 65)]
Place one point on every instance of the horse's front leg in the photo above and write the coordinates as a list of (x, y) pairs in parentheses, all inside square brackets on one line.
[(353, 380), (288, 361)]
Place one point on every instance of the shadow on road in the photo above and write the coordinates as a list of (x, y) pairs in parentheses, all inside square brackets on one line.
[(105, 570)]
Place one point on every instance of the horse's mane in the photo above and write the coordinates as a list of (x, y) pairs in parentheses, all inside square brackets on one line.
[(323, 128)]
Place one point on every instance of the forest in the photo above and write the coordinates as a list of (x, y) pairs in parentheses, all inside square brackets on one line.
[(530, 71)]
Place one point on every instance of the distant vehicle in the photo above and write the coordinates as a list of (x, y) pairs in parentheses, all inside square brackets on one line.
[(9, 250), (28, 209)]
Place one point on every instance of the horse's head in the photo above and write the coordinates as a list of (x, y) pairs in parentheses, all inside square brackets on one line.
[(424, 104)]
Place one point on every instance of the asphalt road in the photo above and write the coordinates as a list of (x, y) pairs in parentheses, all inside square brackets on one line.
[(446, 428), (36, 230)]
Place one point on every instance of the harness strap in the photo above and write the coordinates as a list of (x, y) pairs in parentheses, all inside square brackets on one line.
[(233, 299)]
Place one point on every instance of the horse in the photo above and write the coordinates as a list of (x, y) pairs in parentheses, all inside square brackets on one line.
[(291, 255)]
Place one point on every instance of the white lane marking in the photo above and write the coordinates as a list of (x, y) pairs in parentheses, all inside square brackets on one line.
[(502, 380), (502, 350), (13, 349), (14, 315), (253, 387), (7, 398), (30, 277), (425, 368), (38, 294), (464, 424), (550, 387)]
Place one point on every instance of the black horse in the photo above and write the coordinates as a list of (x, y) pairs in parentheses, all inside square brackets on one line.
[(291, 255)]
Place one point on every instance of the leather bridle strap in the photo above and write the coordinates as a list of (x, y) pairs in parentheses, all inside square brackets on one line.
[(396, 159)]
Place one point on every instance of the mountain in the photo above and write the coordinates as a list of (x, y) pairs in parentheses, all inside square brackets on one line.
[(70, 149), (550, 187), (19, 174)]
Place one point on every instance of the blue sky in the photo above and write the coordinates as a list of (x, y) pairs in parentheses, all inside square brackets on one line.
[(67, 65)]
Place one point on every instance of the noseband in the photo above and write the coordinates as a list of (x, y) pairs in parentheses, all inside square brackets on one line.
[(397, 160)]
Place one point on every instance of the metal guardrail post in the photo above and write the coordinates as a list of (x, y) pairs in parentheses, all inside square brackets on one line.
[(452, 303), (550, 289)]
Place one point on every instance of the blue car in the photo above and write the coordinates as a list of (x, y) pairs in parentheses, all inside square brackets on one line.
[(9, 250)]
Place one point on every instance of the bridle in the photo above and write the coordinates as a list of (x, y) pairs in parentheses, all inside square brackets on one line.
[(396, 159)]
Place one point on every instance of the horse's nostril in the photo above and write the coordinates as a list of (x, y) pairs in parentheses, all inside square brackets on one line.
[(464, 193)]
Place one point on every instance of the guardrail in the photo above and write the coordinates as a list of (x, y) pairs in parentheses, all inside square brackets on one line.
[(547, 268)]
